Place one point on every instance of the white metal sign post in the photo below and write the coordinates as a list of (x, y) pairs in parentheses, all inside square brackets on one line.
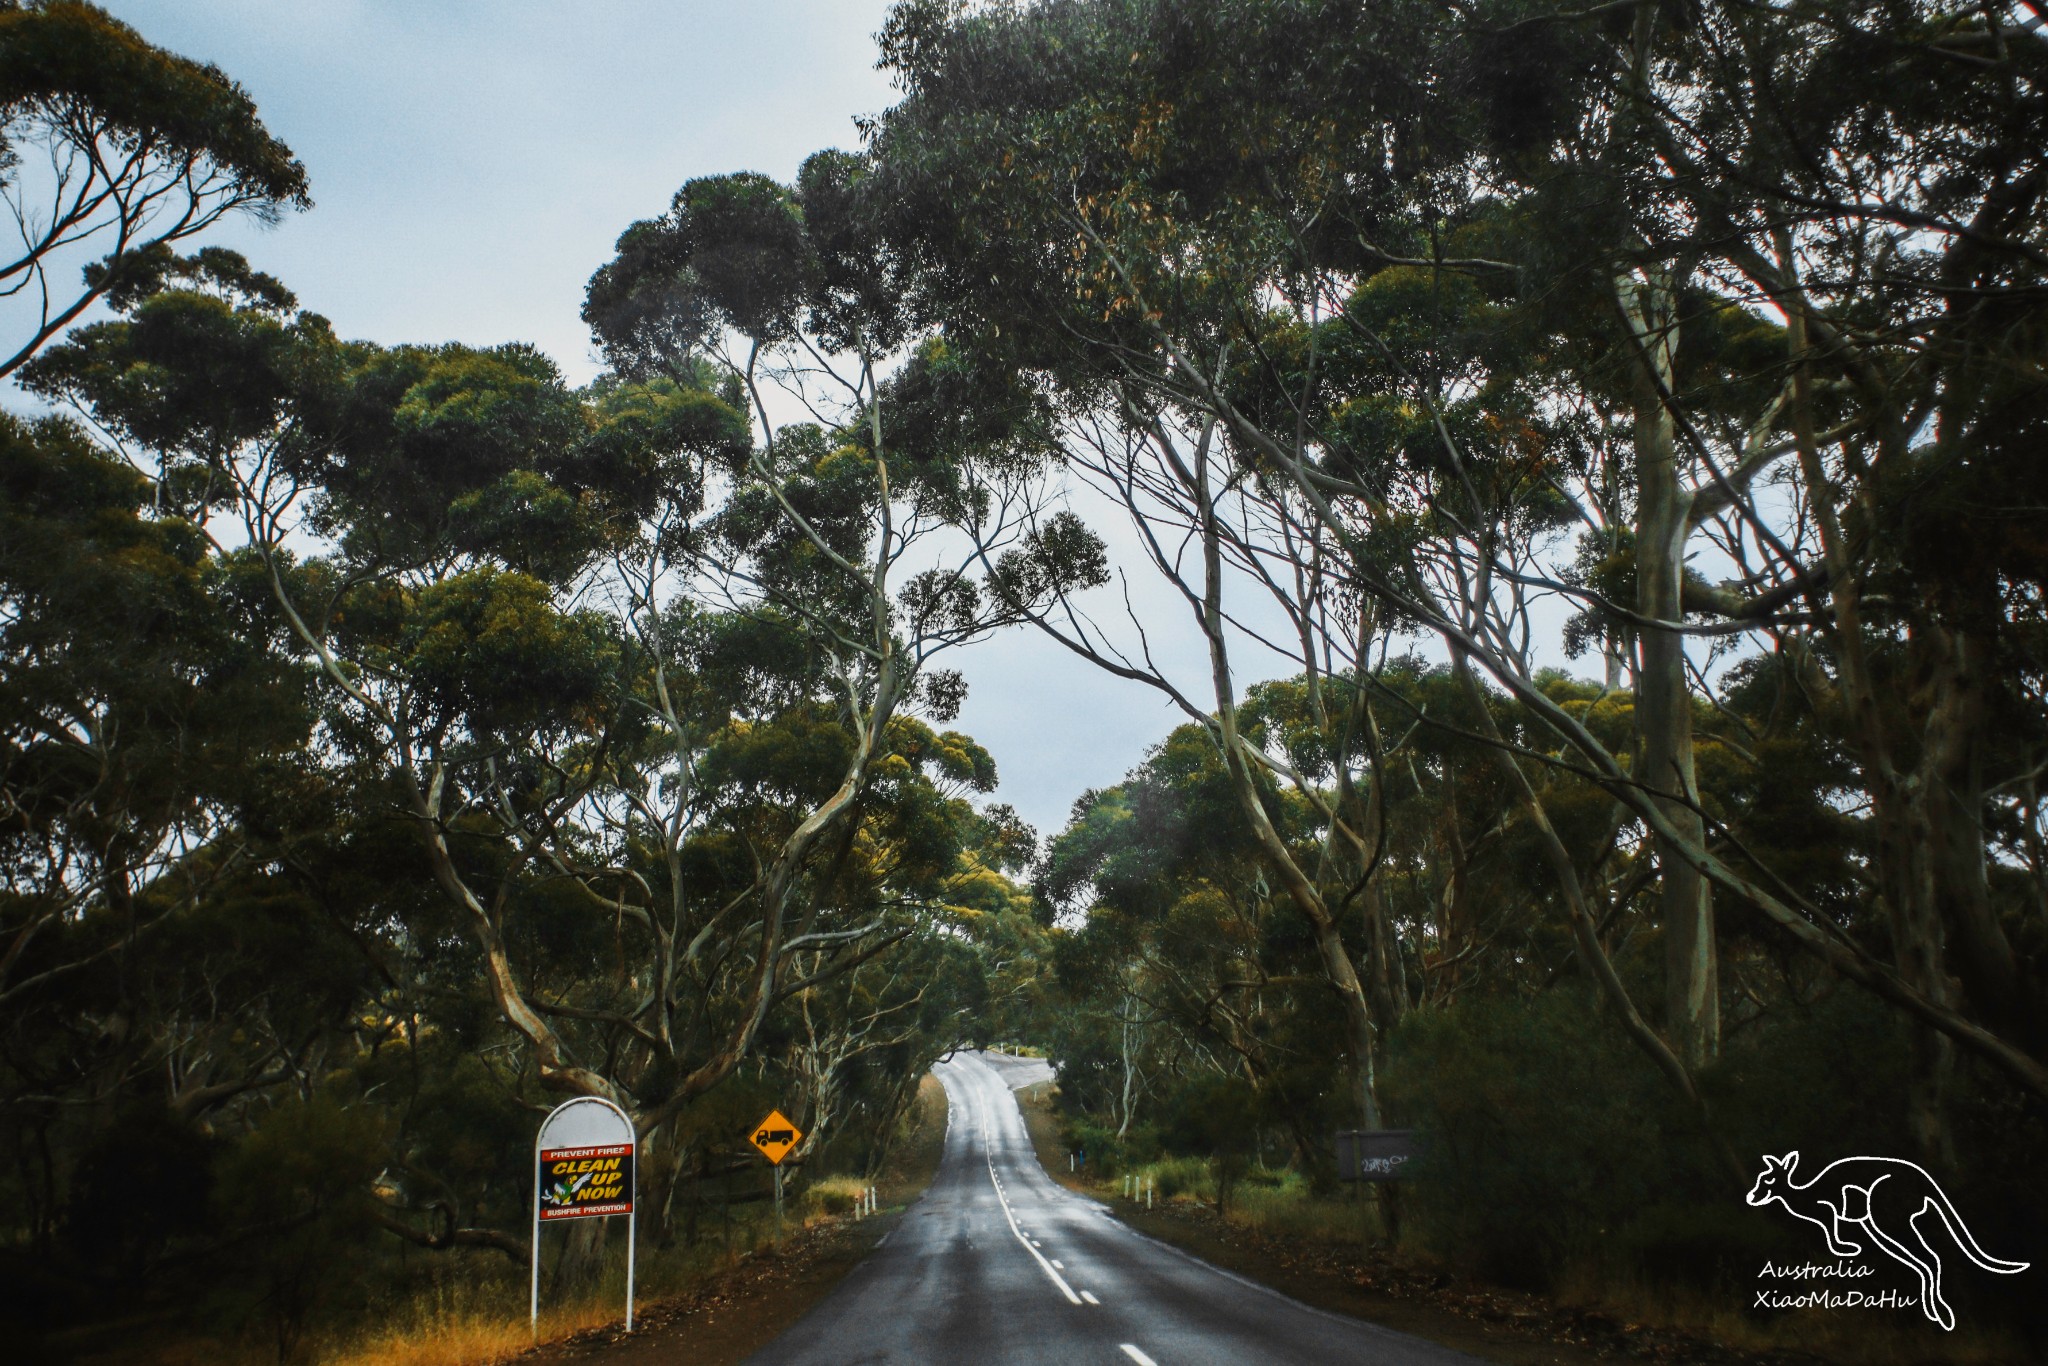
[(583, 1169)]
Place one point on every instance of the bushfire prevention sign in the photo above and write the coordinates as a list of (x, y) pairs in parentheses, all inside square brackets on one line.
[(581, 1183)]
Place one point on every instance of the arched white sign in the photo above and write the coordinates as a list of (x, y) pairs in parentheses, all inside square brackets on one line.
[(583, 1169)]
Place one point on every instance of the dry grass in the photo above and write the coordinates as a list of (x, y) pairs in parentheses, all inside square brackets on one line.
[(1288, 1220), (1278, 1204), (465, 1323), (1289, 1211), (1289, 1214), (482, 1319), (474, 1335), (835, 1194), (1862, 1339)]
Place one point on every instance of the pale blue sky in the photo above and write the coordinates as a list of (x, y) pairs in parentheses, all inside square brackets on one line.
[(472, 162)]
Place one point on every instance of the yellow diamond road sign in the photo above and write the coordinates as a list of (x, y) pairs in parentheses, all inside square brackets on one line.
[(775, 1136)]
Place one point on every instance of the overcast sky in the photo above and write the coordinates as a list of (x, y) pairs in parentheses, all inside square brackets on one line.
[(473, 161)]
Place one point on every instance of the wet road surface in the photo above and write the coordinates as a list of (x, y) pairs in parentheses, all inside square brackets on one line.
[(999, 1263)]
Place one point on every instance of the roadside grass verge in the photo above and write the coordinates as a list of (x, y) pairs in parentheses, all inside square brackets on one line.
[(478, 1313), (834, 1194), (1274, 1204), (1330, 1252), (475, 1312)]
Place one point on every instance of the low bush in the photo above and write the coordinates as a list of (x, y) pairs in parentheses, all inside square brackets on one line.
[(1555, 1156), (834, 1194), (1182, 1176), (1109, 1154)]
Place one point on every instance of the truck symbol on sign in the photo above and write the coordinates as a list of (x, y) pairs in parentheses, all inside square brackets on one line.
[(775, 1136)]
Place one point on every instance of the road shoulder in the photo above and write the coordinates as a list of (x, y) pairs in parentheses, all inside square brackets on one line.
[(1511, 1328), (738, 1311)]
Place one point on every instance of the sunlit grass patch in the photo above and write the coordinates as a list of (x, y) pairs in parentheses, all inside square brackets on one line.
[(477, 1314), (835, 1194)]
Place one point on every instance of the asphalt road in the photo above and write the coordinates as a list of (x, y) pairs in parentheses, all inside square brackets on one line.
[(998, 1263)]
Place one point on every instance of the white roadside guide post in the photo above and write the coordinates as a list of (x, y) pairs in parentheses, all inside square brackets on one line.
[(583, 1168)]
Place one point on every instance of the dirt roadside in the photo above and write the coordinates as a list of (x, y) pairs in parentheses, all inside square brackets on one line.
[(1496, 1325), (739, 1311)]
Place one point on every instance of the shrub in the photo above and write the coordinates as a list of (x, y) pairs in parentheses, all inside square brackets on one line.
[(834, 1194), (1550, 1144), (1181, 1176), (1110, 1155)]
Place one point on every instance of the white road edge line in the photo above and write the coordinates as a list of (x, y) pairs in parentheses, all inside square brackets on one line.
[(1138, 1356), (1011, 1219), (1090, 1297)]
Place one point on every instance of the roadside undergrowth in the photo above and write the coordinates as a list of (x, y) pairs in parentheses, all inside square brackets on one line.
[(478, 1314), (476, 1311), (1331, 1252)]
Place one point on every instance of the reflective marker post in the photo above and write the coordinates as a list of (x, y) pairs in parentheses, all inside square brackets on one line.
[(587, 1146)]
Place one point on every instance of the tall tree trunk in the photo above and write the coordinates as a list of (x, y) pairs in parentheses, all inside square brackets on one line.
[(1127, 1051), (1906, 866), (1931, 822), (1663, 696), (582, 1253), (1953, 768)]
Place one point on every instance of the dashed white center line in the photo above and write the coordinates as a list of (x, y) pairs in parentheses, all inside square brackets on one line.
[(1138, 1356), (1089, 1296), (1058, 1265)]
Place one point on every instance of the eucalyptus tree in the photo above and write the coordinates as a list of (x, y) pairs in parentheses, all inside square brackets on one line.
[(111, 152), (134, 709), (868, 1035), (1897, 224), (830, 533), (144, 719), (148, 972), (609, 661), (1445, 284), (1182, 963), (1116, 241), (1740, 169)]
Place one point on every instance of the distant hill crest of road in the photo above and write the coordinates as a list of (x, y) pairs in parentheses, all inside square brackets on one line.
[(1017, 1073)]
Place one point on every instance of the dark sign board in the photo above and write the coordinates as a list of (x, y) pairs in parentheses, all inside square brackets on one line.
[(581, 1183), (1373, 1154)]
